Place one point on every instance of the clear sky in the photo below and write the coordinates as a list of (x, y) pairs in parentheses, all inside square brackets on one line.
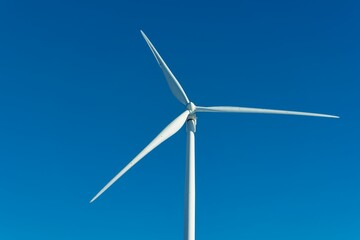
[(81, 95)]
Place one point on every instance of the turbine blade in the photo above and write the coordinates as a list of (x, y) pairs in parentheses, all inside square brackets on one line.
[(259, 110), (168, 131), (173, 83)]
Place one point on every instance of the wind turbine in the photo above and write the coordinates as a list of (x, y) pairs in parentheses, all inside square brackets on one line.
[(189, 117)]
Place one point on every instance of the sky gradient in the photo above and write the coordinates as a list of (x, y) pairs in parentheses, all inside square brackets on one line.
[(81, 94)]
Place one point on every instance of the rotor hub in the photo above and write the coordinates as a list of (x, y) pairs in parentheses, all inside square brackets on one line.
[(192, 116), (191, 107)]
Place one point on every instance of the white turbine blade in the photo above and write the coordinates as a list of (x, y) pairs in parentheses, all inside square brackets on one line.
[(173, 83), (259, 110), (168, 131)]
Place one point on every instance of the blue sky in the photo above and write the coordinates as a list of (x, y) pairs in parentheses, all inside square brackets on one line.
[(81, 95)]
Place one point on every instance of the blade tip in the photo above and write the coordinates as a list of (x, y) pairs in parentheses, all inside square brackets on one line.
[(332, 116), (94, 198), (142, 33)]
